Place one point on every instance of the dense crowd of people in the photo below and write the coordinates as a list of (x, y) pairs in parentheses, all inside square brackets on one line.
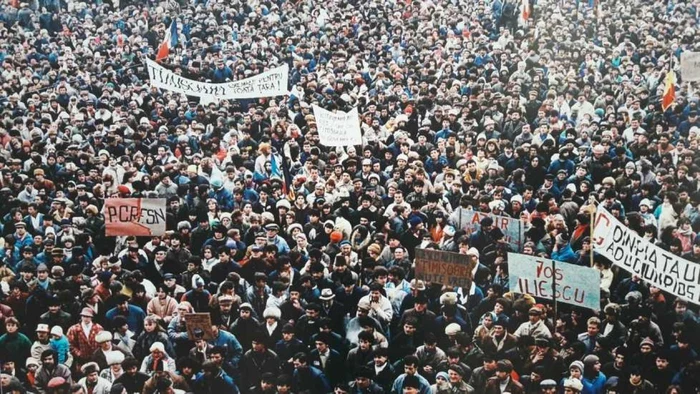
[(302, 254)]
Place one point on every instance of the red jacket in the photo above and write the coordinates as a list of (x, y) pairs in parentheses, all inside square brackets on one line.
[(83, 347)]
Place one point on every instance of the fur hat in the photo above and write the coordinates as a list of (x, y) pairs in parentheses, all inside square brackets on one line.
[(103, 336), (272, 312)]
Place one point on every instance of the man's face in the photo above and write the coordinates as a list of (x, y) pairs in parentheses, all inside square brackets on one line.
[(258, 347), (501, 375), (92, 378), (680, 308), (593, 330), (216, 358), (534, 317), (299, 365), (498, 331), (410, 369), (48, 361), (661, 363)]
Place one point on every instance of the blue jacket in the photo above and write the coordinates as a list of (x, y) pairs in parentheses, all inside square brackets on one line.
[(220, 384), (565, 254), (594, 385), (134, 317), (397, 388), (312, 380), (233, 347), (224, 198)]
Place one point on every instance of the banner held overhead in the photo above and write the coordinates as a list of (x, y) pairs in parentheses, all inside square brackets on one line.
[(571, 284), (661, 268), (447, 268), (267, 84), (144, 217), (338, 128)]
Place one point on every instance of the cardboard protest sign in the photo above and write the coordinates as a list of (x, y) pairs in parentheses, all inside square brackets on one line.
[(690, 66), (661, 268), (144, 217), (201, 321), (575, 285), (450, 269), (268, 84), (339, 128), (512, 227)]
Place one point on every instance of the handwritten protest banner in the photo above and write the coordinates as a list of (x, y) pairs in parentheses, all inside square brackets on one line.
[(512, 227), (658, 267), (339, 128), (134, 216), (450, 269), (573, 284), (202, 321), (268, 84), (690, 66)]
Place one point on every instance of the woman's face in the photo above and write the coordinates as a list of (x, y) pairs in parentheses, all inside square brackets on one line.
[(149, 326), (488, 321), (247, 208), (498, 308), (207, 254)]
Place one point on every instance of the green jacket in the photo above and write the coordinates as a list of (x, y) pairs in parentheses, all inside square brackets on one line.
[(15, 347)]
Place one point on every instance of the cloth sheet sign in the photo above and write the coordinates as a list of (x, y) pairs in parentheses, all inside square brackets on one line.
[(661, 268), (338, 128), (267, 84), (143, 217), (573, 284)]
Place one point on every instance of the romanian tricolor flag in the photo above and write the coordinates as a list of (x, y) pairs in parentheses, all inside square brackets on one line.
[(669, 90), (525, 11), (169, 42)]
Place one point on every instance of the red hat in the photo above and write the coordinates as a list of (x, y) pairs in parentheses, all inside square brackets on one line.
[(336, 236), (56, 382), (123, 189)]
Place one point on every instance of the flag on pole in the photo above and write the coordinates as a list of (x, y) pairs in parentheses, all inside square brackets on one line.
[(278, 170), (169, 42), (525, 10), (669, 90)]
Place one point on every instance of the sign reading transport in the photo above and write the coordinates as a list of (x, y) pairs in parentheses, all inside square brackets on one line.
[(447, 268)]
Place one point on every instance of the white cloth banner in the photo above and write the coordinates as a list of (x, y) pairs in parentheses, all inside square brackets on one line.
[(690, 66), (338, 128), (658, 267), (268, 84), (574, 285)]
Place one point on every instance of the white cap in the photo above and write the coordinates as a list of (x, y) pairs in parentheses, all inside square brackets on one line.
[(646, 202), (452, 329), (57, 331), (157, 346), (573, 383), (103, 336), (114, 357)]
